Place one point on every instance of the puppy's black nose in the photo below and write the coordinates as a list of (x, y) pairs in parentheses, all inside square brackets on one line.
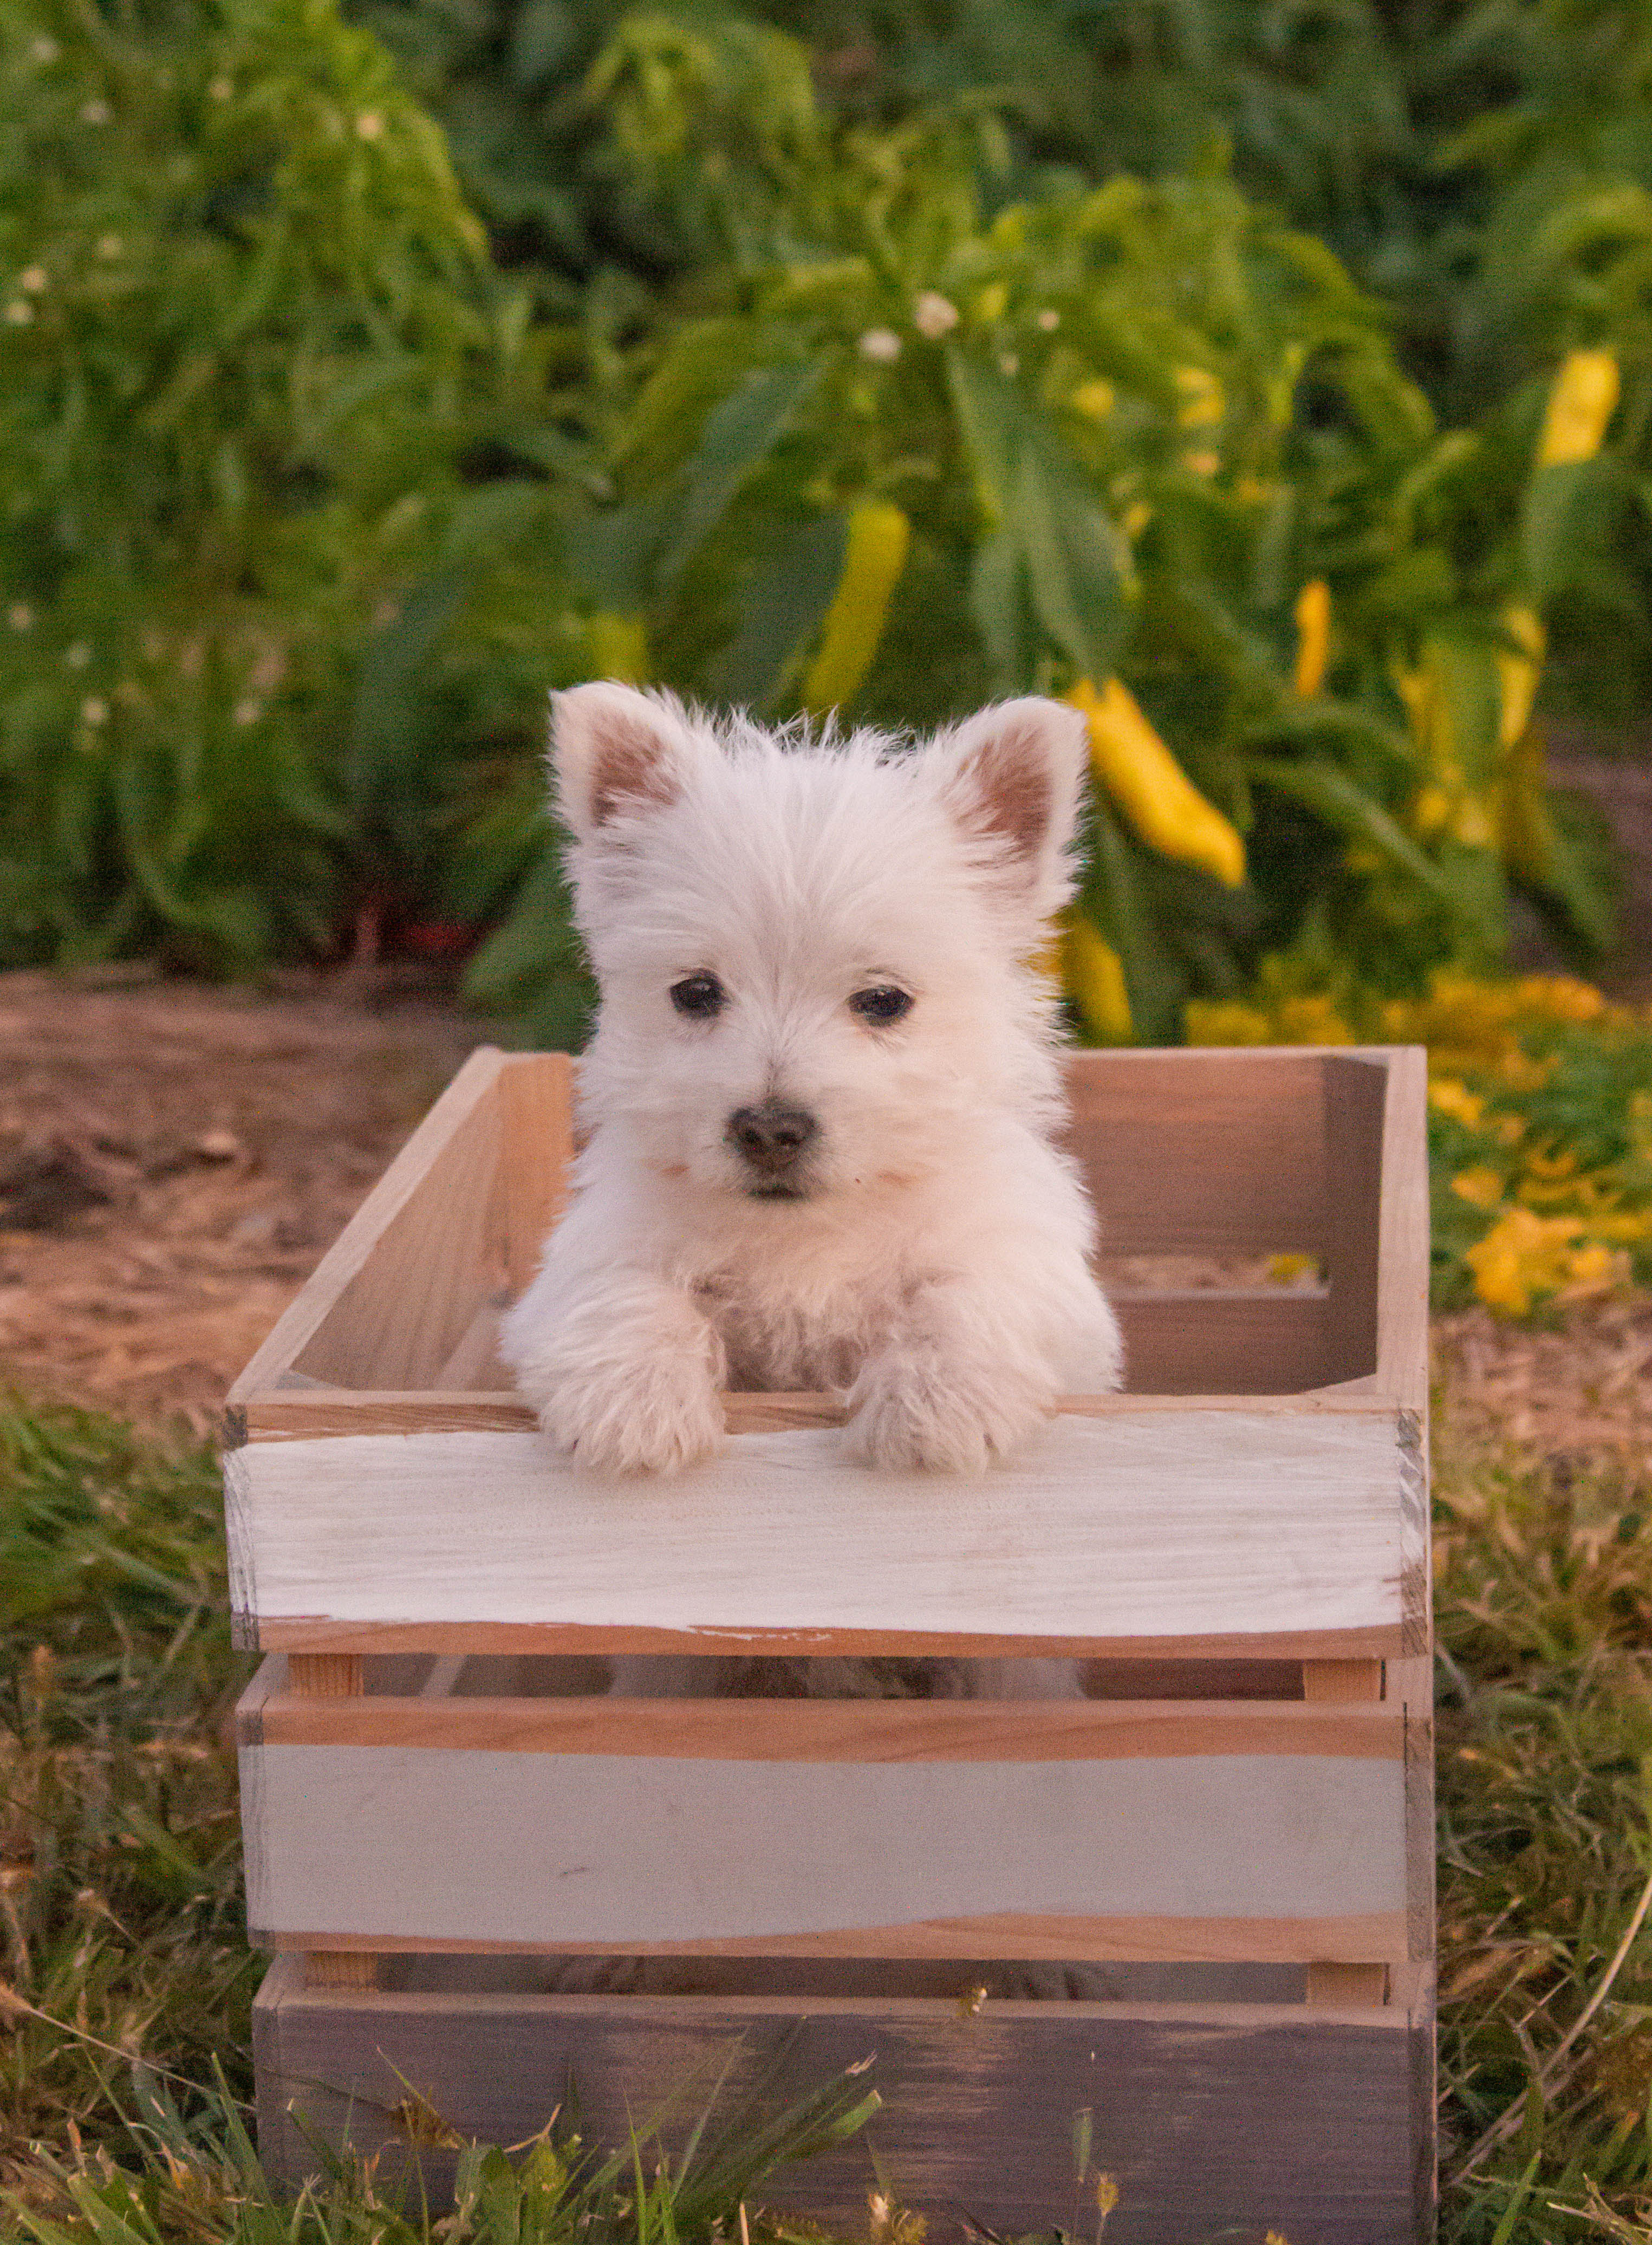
[(771, 1136)]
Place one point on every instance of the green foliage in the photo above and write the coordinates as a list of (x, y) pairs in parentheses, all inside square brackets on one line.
[(123, 1912), (1128, 425), (1543, 1576), (252, 353)]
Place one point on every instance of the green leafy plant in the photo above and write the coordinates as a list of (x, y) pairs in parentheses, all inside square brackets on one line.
[(1127, 429), (268, 421)]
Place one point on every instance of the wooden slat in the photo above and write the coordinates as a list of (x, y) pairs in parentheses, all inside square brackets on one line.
[(1010, 1936), (630, 1851), (826, 1730), (536, 1153), (317, 1410), (1403, 1280), (1332, 1682), (1263, 1341), (340, 1968), (452, 1120), (1346, 1984), (1208, 1523), (324, 1675), (1259, 1648), (1355, 1097), (1205, 1152), (1218, 2119)]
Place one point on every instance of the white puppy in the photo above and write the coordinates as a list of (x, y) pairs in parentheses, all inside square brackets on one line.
[(823, 1091)]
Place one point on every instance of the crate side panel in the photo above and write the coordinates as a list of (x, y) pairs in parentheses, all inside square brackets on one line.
[(428, 1277), (1216, 1153), (1166, 1524), (1209, 2123), (621, 1850)]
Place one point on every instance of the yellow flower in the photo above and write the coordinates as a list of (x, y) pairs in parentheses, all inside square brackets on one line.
[(1096, 977), (1449, 1096), (989, 304), (1151, 788), (1481, 1188), (1582, 400), (1203, 404), (1590, 1270), (1285, 1270), (1522, 1256), (1519, 673), (874, 556), (1313, 636), (1093, 399)]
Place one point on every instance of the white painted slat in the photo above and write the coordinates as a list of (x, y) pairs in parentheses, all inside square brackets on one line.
[(1172, 1523), (433, 1844)]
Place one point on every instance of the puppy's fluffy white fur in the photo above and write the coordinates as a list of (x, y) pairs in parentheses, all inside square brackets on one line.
[(930, 1257)]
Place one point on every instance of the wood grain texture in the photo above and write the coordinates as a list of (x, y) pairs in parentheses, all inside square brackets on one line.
[(340, 1967), (1179, 1942), (848, 1730), (418, 1172), (316, 1410), (1166, 1524), (1342, 1682), (536, 1153), (324, 1675), (1202, 1152), (1223, 2119), (1255, 1648), (629, 1851)]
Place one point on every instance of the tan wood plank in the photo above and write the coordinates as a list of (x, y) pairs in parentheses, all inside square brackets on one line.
[(474, 1364), (1340, 1681), (318, 1410), (536, 1153), (629, 1851), (1403, 1284), (448, 1120), (340, 1967), (1347, 1985), (1355, 1097), (862, 1730), (586, 1641), (1006, 1934), (324, 1675)]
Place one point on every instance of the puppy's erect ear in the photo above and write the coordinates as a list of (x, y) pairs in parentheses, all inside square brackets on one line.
[(1012, 778), (615, 750)]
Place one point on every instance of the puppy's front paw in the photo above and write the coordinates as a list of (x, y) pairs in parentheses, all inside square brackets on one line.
[(655, 1415), (946, 1418)]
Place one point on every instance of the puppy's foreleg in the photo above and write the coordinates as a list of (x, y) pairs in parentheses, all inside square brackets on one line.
[(624, 1371), (954, 1385)]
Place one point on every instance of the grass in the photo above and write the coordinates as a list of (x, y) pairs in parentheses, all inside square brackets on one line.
[(125, 2066)]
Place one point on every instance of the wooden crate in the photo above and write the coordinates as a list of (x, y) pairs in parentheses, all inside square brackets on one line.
[(1225, 1849)]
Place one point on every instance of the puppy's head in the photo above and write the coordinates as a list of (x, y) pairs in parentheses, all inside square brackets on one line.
[(813, 957)]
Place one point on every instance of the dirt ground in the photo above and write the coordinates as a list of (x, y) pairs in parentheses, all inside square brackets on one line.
[(173, 1159)]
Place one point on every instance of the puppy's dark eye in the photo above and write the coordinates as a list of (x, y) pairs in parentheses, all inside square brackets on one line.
[(698, 995), (880, 1006)]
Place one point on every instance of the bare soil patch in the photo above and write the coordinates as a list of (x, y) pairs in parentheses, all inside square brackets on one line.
[(173, 1159)]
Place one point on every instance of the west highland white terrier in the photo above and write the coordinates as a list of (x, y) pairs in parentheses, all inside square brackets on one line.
[(822, 1100)]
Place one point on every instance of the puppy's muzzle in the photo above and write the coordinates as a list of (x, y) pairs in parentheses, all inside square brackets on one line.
[(771, 1139)]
